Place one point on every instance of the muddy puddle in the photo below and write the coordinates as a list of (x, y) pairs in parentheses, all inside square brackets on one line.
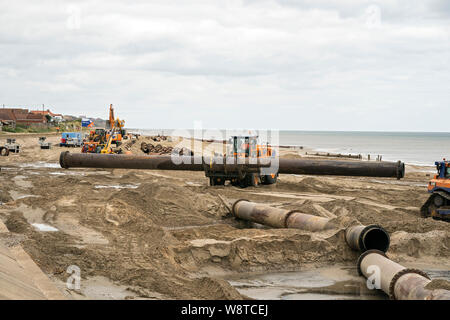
[(123, 186), (400, 183), (44, 227), (40, 164), (17, 195), (330, 283)]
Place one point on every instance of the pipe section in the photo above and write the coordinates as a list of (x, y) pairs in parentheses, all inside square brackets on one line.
[(397, 281), (342, 168), (279, 218), (363, 238), (197, 163), (176, 162)]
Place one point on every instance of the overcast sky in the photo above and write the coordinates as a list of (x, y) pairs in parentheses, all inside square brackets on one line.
[(286, 64)]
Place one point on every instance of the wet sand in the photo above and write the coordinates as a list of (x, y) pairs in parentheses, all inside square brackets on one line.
[(167, 235)]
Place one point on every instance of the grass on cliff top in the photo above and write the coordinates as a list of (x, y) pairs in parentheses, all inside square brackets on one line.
[(65, 126)]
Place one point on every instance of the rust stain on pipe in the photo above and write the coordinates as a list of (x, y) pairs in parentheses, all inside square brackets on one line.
[(358, 237), (397, 281), (279, 218)]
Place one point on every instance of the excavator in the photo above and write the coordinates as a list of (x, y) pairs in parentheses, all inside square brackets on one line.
[(96, 139), (438, 204), (101, 140), (117, 128)]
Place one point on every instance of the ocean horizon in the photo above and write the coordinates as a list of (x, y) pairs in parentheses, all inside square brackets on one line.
[(417, 148)]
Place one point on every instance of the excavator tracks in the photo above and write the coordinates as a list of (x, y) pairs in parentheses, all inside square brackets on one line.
[(430, 209)]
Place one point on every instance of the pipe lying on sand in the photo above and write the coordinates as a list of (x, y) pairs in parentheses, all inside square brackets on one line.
[(279, 218), (119, 161), (358, 237), (397, 281), (342, 168), (198, 163), (363, 238)]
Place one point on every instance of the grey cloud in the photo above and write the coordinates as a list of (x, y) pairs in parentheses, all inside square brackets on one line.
[(303, 64)]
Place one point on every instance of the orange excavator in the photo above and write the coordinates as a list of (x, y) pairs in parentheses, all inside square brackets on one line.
[(117, 128), (101, 140), (438, 204)]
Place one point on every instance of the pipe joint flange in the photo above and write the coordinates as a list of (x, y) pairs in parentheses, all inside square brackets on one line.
[(400, 171), (401, 273), (62, 157), (363, 255), (234, 205), (288, 215)]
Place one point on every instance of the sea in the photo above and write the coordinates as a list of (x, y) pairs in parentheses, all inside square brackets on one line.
[(417, 148)]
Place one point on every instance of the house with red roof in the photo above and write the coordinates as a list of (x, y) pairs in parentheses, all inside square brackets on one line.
[(17, 116)]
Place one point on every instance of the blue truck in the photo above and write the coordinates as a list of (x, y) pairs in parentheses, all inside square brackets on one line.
[(71, 139)]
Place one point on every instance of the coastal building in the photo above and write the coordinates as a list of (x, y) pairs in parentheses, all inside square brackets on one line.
[(54, 116), (7, 118), (22, 117)]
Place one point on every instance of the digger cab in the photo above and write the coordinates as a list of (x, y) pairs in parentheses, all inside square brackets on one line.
[(243, 146), (248, 147), (443, 169)]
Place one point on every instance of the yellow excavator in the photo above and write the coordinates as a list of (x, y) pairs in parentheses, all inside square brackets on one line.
[(117, 128), (101, 140), (116, 134)]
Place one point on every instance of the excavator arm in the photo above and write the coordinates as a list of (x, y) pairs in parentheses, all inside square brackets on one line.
[(111, 116)]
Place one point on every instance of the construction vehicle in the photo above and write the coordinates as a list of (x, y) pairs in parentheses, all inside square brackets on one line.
[(438, 204), (241, 148), (12, 146), (117, 128), (4, 151), (43, 144), (101, 140), (95, 142), (70, 139), (110, 138)]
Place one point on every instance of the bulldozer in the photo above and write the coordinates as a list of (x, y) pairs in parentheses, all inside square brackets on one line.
[(241, 147), (438, 204)]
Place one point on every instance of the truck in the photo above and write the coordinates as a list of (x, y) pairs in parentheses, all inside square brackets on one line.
[(71, 139), (43, 144), (12, 146)]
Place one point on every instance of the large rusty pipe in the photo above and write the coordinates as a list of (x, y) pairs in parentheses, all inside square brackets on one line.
[(397, 281), (119, 161), (279, 218), (342, 168), (197, 163), (363, 238)]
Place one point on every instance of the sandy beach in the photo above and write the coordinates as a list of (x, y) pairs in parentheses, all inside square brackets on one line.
[(138, 234)]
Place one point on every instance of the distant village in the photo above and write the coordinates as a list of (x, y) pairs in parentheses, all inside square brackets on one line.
[(14, 118)]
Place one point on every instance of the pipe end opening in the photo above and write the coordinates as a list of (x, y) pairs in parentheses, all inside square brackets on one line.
[(376, 238)]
